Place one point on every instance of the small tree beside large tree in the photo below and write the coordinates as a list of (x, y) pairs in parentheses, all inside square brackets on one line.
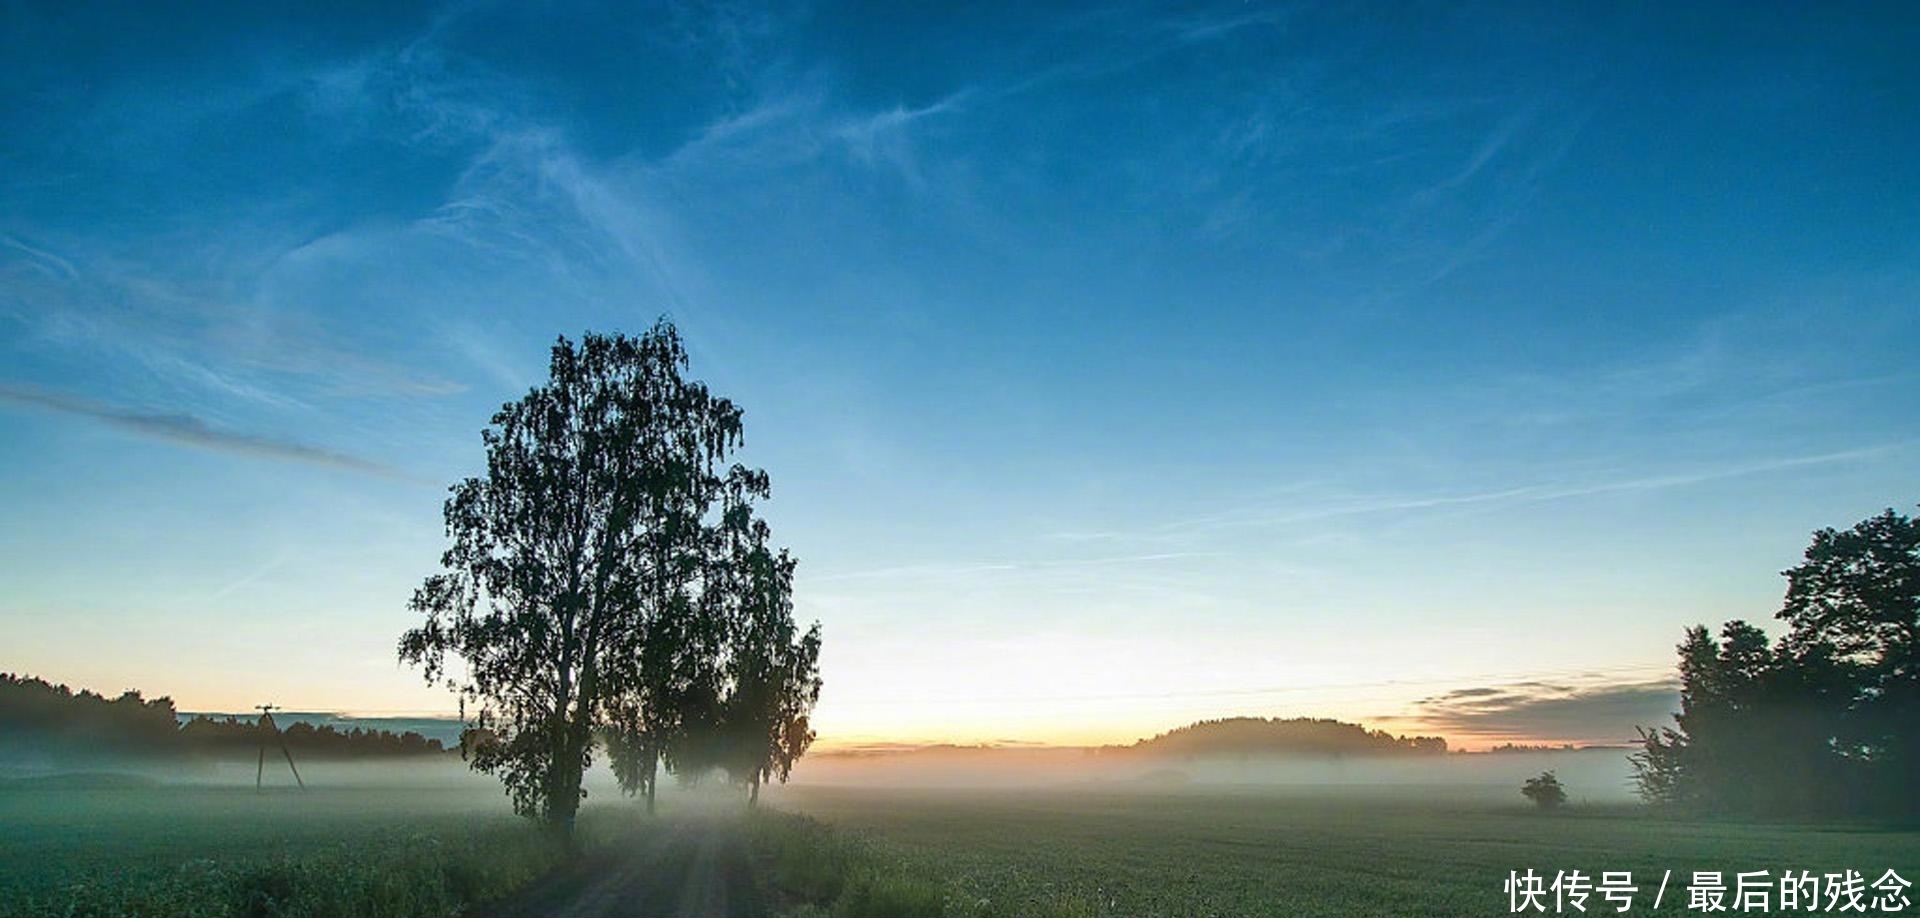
[(578, 602), (772, 670)]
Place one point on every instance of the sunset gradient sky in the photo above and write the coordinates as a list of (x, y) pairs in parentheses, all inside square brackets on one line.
[(1115, 366)]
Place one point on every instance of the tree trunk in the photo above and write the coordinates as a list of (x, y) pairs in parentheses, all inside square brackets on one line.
[(1908, 770), (650, 778), (563, 801), (563, 785), (576, 737)]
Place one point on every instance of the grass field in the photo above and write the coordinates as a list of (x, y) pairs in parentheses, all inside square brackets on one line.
[(1275, 852), (426, 850), (202, 851)]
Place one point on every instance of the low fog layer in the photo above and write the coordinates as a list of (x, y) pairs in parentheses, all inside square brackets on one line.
[(69, 771), (1596, 775)]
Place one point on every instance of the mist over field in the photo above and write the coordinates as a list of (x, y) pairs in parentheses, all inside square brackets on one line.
[(1596, 775)]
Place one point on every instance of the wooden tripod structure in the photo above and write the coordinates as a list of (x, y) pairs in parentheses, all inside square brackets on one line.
[(268, 726)]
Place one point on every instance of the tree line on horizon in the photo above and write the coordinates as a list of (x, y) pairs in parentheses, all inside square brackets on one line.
[(611, 590), (44, 716), (1824, 721)]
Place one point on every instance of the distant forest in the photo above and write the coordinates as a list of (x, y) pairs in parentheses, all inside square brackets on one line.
[(1299, 737), (49, 717)]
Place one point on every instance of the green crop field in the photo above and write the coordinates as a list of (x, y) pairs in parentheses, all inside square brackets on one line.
[(1430, 852), (167, 850)]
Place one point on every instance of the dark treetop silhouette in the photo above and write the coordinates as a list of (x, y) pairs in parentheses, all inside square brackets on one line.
[(1826, 721), (1298, 736), (607, 580), (1544, 790)]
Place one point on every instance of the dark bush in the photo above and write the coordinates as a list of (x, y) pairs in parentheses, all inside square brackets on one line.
[(1544, 790)]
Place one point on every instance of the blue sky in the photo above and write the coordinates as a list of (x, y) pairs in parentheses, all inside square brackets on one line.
[(1115, 365)]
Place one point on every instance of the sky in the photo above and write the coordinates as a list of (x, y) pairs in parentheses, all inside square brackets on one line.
[(1115, 365)]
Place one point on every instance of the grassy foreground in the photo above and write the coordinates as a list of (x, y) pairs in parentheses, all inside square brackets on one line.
[(812, 871), (197, 851), (1271, 852), (866, 853)]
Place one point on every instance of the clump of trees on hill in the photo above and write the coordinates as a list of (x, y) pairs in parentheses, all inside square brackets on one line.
[(1826, 720), (54, 717), (1247, 737), (609, 587)]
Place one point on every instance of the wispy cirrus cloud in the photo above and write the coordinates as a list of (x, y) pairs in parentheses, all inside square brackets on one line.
[(190, 430), (1119, 44), (197, 326), (1277, 516), (45, 262), (968, 569)]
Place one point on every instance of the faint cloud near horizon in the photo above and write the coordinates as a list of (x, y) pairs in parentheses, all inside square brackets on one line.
[(1550, 711)]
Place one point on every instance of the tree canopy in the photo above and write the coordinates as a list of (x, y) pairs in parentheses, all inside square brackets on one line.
[(578, 595), (1826, 719)]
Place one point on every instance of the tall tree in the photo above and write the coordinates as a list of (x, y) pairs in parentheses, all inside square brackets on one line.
[(573, 557), (773, 668), (1853, 604)]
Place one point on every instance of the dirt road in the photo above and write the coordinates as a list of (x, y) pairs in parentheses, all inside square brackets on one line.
[(689, 869)]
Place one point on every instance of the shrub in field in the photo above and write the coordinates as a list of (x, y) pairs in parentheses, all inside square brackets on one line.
[(1544, 790)]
